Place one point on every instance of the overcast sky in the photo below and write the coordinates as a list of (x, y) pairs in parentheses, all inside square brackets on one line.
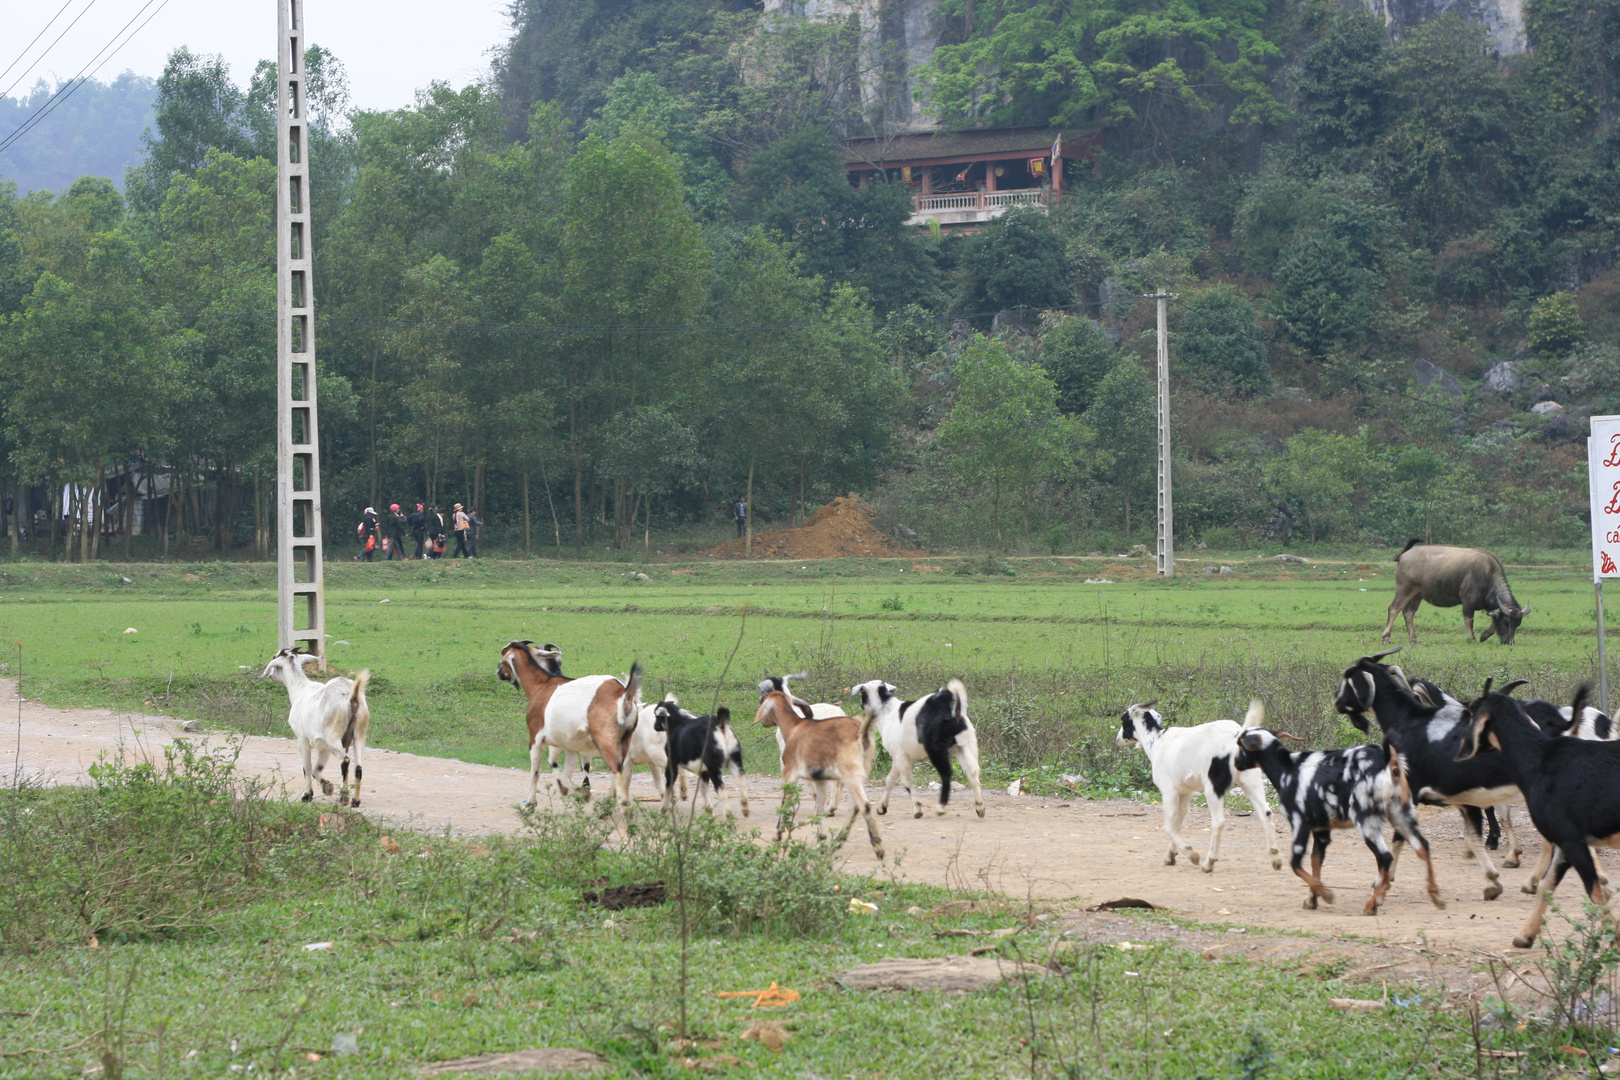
[(389, 47)]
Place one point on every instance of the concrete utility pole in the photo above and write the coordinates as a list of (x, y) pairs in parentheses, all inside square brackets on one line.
[(1167, 510), (301, 612)]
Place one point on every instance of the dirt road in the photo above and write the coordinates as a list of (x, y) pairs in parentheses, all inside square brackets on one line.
[(1026, 846)]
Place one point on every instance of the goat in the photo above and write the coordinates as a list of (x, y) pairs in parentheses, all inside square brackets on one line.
[(594, 714), (703, 745), (1568, 784), (646, 748), (1429, 693), (819, 710), (1322, 790), (935, 727), (328, 718), (1191, 760), (1428, 738), (837, 748)]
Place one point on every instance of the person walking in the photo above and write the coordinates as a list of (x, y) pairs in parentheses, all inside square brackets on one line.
[(473, 525), (435, 531), (368, 535), (418, 524), (394, 531), (460, 525), (740, 512)]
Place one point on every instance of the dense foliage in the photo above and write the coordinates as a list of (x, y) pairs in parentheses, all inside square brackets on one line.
[(629, 281)]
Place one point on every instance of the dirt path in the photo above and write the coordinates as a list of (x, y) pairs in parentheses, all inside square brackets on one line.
[(1026, 847)]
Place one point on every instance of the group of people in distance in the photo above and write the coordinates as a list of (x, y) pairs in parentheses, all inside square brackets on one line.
[(426, 527)]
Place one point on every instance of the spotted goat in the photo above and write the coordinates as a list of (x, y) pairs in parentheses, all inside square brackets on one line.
[(1323, 790), (1197, 760), (935, 727)]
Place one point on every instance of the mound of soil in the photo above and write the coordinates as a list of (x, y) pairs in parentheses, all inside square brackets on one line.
[(842, 529)]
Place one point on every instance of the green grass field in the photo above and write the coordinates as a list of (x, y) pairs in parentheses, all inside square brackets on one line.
[(1049, 660), (452, 947)]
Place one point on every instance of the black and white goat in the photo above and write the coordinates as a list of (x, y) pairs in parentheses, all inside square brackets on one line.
[(1428, 738), (702, 745), (1572, 787), (935, 727), (1322, 790), (327, 717), (1190, 761)]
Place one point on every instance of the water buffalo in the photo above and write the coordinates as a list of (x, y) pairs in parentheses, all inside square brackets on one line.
[(1449, 576)]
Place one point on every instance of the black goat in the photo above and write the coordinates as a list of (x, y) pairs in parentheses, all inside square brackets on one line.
[(704, 745), (1570, 786), (1428, 739), (1323, 790)]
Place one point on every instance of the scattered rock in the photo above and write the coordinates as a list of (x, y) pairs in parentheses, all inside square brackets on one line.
[(1544, 392), (1099, 581), (1139, 551), (1093, 554), (909, 534), (1546, 408), (1502, 378), (1294, 393), (769, 1034), (1209, 570), (546, 1060), (1289, 558), (191, 725), (1226, 569), (636, 575), (955, 973), (1200, 546), (1429, 376)]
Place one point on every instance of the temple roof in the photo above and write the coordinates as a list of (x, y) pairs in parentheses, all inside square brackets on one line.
[(949, 147)]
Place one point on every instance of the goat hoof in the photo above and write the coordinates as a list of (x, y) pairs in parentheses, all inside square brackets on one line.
[(879, 850), (979, 809), (1468, 853), (1528, 888), (1523, 942), (1193, 857), (1511, 864), (354, 804), (1436, 900), (884, 809), (1310, 902), (343, 798), (1169, 860), (1276, 862), (1327, 894), (309, 796), (1493, 890), (1370, 908), (1209, 866), (326, 787), (917, 813)]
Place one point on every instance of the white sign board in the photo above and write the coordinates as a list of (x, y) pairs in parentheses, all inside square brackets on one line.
[(1603, 478)]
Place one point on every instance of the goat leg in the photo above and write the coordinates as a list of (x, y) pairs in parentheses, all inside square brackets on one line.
[(1549, 884), (1254, 786), (968, 755), (1471, 837)]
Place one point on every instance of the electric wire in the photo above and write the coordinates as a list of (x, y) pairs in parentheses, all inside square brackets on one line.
[(72, 86), (66, 4)]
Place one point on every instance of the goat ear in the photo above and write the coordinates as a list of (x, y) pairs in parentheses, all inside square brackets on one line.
[(1290, 738)]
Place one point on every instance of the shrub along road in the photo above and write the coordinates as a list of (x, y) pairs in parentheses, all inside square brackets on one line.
[(1027, 845)]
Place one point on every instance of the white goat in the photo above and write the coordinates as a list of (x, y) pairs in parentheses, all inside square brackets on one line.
[(1191, 760), (935, 727), (328, 718)]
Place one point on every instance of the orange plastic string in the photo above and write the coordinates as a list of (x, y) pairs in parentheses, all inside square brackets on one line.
[(773, 998)]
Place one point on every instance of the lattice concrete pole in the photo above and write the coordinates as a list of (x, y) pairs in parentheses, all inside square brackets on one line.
[(1167, 512), (301, 615)]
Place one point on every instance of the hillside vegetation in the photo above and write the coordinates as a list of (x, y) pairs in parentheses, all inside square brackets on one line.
[(629, 282)]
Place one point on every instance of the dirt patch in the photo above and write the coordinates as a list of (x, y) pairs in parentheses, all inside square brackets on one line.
[(842, 529)]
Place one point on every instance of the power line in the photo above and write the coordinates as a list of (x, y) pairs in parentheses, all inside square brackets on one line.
[(80, 79), (48, 48)]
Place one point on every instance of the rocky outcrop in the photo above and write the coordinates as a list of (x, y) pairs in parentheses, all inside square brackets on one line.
[(1503, 19)]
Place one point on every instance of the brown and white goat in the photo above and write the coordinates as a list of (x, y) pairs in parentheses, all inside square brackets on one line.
[(834, 749), (328, 718), (595, 714)]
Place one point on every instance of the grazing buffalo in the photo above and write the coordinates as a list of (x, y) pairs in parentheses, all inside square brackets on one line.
[(1449, 576)]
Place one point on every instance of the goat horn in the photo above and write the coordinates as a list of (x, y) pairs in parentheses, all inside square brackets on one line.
[(1150, 704), (1514, 685), (1375, 657), (1487, 689), (1285, 735)]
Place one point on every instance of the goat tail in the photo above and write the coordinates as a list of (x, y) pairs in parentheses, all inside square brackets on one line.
[(958, 698), (630, 701), (358, 708), (1397, 773), (1256, 715), (1577, 708), (868, 722)]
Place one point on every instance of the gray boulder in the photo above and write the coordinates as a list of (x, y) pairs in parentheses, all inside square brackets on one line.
[(1430, 376), (1502, 378), (1546, 408)]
